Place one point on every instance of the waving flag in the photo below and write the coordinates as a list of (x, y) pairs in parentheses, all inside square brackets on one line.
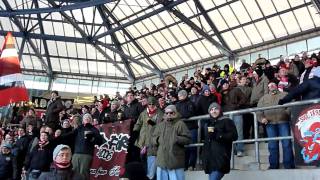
[(12, 88)]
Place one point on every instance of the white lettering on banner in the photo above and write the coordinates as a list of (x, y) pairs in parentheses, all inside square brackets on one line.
[(116, 143), (115, 171), (98, 172)]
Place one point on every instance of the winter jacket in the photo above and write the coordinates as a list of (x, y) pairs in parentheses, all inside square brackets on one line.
[(274, 116), (146, 130), (307, 74), (84, 144), (52, 113), (32, 120), (259, 89), (217, 145), (233, 99), (186, 108), (21, 147), (8, 167), (204, 103), (195, 99), (309, 89), (113, 116), (40, 159), (133, 110), (63, 174), (171, 137), (246, 90)]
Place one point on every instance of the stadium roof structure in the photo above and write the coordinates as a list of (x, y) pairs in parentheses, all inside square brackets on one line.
[(128, 40)]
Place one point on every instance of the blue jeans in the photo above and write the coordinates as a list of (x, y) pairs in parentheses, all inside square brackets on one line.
[(191, 153), (215, 175), (152, 167), (278, 130), (167, 174), (238, 122)]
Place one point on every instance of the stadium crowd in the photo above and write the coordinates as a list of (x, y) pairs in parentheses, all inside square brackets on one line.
[(60, 144)]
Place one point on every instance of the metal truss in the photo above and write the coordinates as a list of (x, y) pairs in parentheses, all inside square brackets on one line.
[(60, 8)]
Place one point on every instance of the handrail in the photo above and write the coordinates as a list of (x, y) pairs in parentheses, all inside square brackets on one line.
[(256, 139), (249, 110)]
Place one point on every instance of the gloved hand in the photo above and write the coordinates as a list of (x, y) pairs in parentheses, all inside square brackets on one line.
[(150, 122), (280, 102)]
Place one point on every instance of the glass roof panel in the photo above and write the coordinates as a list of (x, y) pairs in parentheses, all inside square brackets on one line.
[(65, 66), (253, 34), (229, 16), (293, 26), (218, 20), (55, 63), (252, 8), (27, 62), (102, 68), (83, 66), (265, 30), (241, 12), (242, 37), (219, 2), (281, 5), (231, 41), (295, 3), (93, 69), (315, 15), (267, 7), (74, 66), (304, 18), (277, 26)]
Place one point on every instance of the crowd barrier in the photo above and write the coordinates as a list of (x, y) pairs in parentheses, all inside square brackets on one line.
[(256, 140)]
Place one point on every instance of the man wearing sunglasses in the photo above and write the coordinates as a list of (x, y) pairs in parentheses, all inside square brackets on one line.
[(170, 136)]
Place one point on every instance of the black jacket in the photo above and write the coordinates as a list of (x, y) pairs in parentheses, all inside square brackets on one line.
[(133, 110), (52, 113), (112, 116), (309, 89), (204, 103), (8, 167), (218, 145), (40, 159), (65, 174), (186, 109), (21, 147), (85, 145)]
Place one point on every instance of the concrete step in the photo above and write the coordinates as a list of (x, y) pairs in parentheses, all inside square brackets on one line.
[(283, 174)]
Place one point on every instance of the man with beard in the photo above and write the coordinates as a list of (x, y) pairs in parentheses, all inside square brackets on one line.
[(53, 110), (220, 131), (147, 122)]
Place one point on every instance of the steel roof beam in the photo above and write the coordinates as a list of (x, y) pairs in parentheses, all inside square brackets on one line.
[(152, 13), (212, 25), (45, 45), (115, 41), (90, 41), (193, 26), (156, 69), (33, 46), (12, 12)]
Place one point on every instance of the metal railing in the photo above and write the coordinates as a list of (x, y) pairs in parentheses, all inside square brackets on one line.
[(256, 139)]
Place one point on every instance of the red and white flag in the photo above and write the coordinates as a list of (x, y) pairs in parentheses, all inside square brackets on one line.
[(12, 88)]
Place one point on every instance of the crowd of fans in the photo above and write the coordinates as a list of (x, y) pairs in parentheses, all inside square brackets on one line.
[(42, 147)]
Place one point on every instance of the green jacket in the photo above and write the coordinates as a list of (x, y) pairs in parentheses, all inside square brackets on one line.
[(170, 137), (146, 131)]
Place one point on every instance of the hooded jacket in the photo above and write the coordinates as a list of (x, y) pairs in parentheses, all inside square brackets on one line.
[(52, 113)]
